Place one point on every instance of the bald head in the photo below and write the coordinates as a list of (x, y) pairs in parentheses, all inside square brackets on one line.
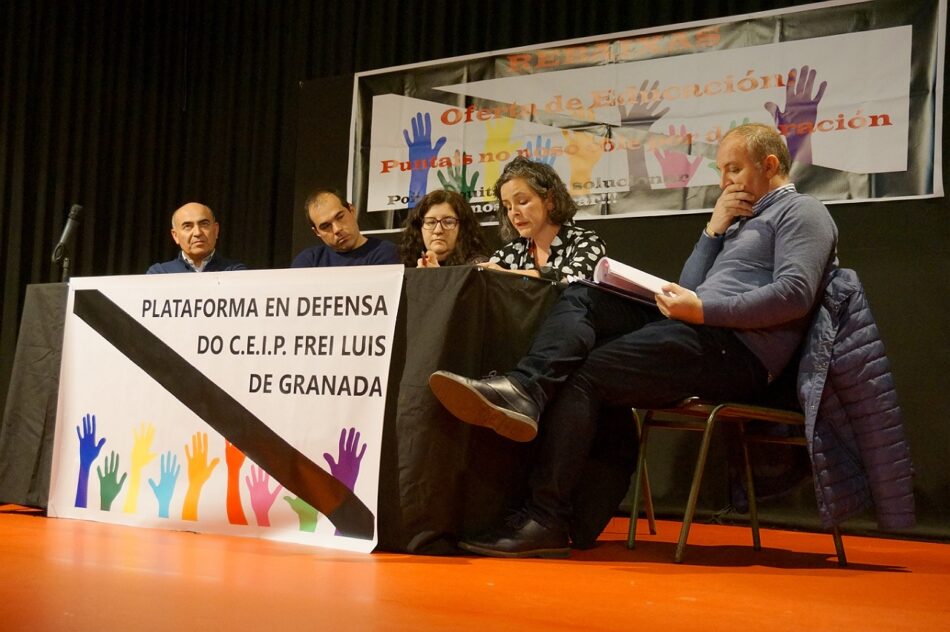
[(195, 230)]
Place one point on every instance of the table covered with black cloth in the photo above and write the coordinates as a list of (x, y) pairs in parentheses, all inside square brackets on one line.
[(439, 478)]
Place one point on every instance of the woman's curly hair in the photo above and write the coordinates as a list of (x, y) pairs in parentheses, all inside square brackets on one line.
[(469, 244), (544, 181)]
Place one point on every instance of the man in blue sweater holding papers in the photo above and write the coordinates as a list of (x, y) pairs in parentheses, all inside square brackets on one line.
[(726, 330)]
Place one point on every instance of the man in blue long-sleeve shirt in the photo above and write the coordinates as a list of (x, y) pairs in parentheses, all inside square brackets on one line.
[(724, 332)]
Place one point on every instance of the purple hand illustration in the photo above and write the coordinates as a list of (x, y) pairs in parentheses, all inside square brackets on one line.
[(262, 498), (88, 451), (797, 121), (347, 467), (422, 152)]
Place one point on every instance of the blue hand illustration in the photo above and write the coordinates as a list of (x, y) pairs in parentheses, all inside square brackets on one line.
[(88, 451), (347, 467), (166, 482), (797, 121), (539, 153), (421, 152)]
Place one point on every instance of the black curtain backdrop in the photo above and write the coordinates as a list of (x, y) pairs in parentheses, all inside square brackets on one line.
[(131, 108)]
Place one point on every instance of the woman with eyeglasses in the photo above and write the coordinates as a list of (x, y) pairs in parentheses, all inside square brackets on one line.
[(442, 230), (535, 214)]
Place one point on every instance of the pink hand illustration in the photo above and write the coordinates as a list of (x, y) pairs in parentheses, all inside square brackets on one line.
[(262, 498), (678, 166)]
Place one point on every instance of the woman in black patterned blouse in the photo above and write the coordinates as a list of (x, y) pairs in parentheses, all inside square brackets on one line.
[(535, 215)]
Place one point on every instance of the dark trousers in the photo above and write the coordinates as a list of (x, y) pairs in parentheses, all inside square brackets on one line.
[(596, 349)]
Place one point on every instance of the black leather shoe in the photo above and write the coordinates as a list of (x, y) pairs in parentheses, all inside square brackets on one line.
[(495, 402), (521, 537)]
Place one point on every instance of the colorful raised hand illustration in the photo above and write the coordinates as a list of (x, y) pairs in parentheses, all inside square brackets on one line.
[(165, 487), (797, 121), (306, 514), (199, 471), (142, 455), (234, 459), (678, 166), (732, 125), (499, 146), (346, 468), (109, 483), (421, 151), (589, 149), (636, 119), (262, 498), (88, 452), (455, 179), (540, 152)]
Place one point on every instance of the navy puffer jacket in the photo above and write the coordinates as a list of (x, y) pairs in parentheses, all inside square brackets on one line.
[(853, 424)]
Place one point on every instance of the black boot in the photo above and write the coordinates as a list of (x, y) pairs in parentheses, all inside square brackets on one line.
[(520, 537), (498, 403)]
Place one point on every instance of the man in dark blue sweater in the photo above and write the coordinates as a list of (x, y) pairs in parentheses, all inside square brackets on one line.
[(195, 230), (724, 333), (333, 220)]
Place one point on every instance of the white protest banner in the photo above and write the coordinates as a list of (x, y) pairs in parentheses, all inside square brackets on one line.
[(247, 403), (631, 121)]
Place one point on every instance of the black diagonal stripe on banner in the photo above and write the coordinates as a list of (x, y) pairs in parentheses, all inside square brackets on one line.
[(289, 466)]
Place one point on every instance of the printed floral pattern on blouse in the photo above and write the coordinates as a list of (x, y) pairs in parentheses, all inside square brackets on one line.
[(574, 253)]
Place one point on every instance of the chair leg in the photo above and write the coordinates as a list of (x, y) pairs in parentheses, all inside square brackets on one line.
[(839, 547), (648, 501), (647, 495), (694, 488), (750, 489), (638, 483)]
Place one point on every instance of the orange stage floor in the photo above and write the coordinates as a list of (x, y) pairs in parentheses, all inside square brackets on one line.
[(75, 575)]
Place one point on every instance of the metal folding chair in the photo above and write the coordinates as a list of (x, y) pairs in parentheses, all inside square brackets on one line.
[(696, 415)]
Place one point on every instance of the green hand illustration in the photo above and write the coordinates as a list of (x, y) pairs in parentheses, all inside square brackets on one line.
[(305, 513), (109, 483)]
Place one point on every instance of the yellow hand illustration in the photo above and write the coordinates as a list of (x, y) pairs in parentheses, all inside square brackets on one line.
[(498, 141), (584, 151), (142, 455)]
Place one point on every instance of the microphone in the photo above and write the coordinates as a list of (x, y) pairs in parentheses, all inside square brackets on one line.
[(72, 224)]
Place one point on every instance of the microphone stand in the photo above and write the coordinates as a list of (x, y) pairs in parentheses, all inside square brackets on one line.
[(61, 251)]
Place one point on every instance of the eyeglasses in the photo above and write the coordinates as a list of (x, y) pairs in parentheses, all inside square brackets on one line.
[(447, 223)]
